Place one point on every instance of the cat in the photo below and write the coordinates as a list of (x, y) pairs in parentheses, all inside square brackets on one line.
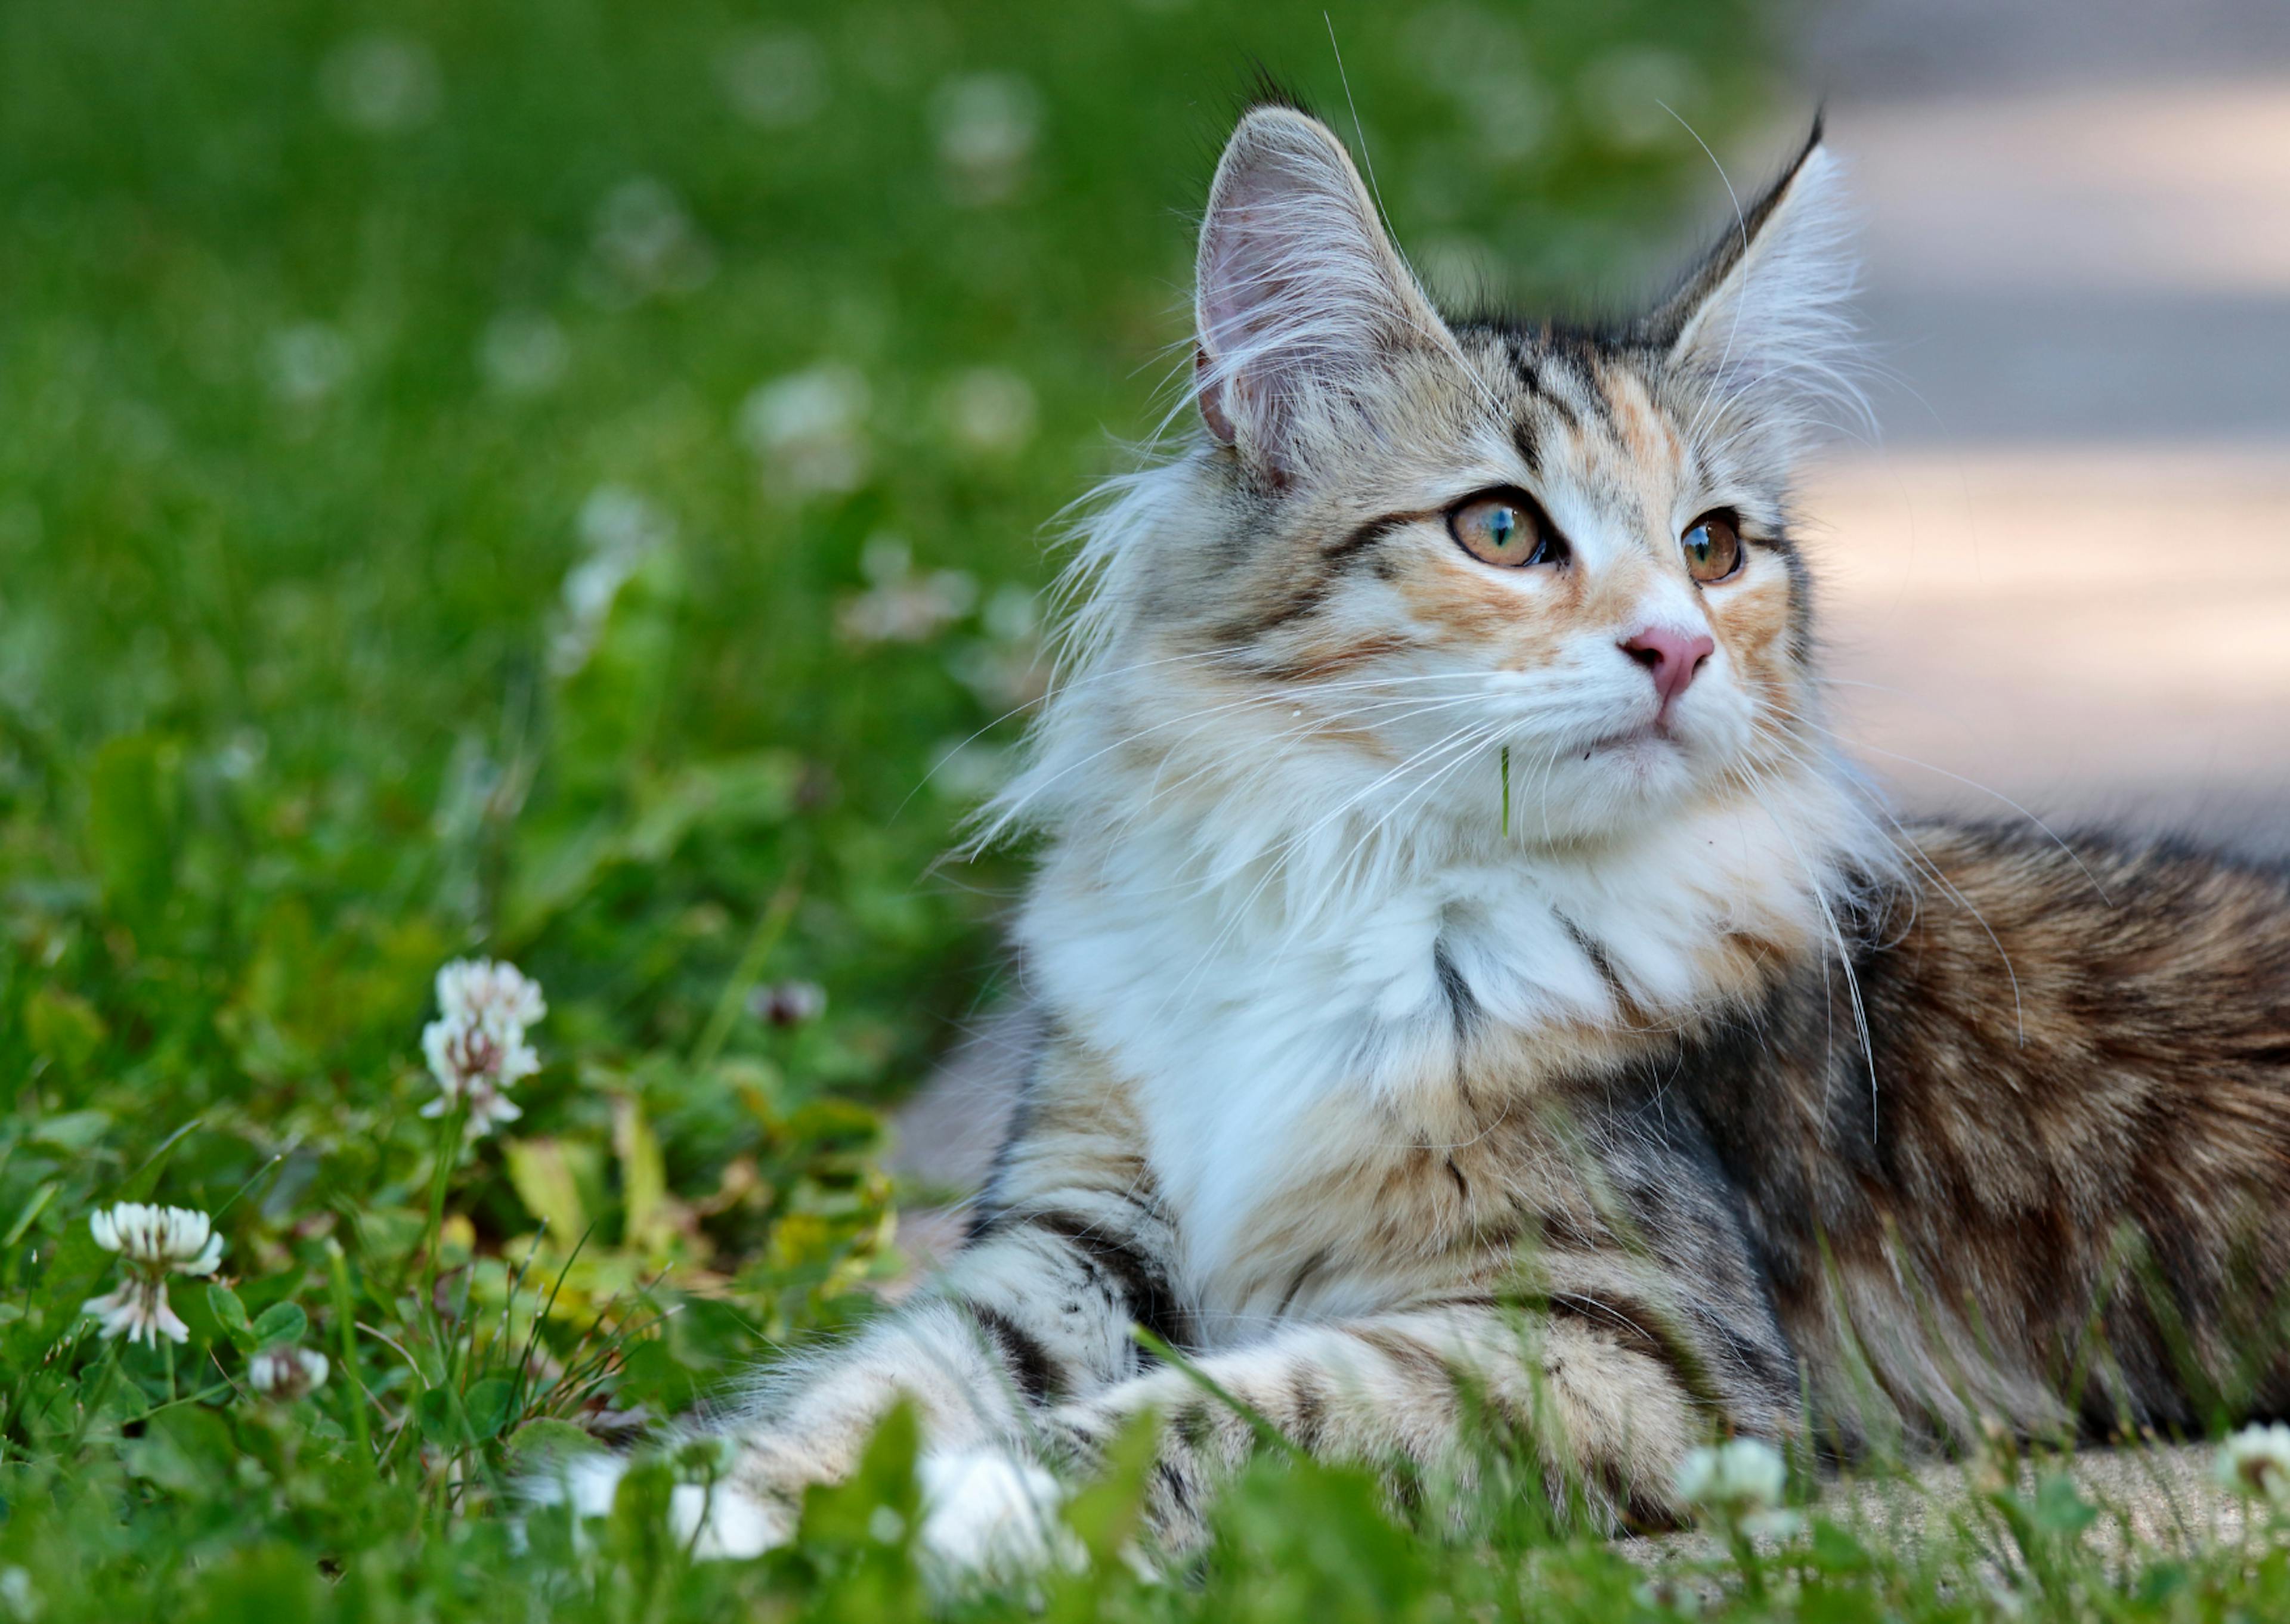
[(1472, 983)]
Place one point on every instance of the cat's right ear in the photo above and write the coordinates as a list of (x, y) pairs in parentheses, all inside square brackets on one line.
[(1298, 292), (1766, 321)]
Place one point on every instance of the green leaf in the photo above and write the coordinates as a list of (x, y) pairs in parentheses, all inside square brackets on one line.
[(1837, 1551), (548, 1176), (652, 1374), (146, 1177), (281, 1322), (538, 1447), (2163, 1581), (187, 1449), (648, 1227), (639, 1533), (1107, 1513), (844, 1513), (274, 1583), (491, 1406), (230, 1314), (434, 1413), (2059, 1508), (71, 1130), (31, 1213)]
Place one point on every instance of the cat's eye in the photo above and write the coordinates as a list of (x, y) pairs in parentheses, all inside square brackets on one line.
[(1713, 546), (1504, 528)]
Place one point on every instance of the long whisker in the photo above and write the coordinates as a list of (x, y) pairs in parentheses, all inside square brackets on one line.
[(1005, 814), (1274, 865), (2049, 833), (1381, 711), (1836, 934), (1924, 860)]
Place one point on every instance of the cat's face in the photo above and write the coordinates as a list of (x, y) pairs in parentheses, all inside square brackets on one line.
[(1465, 565), (1561, 551)]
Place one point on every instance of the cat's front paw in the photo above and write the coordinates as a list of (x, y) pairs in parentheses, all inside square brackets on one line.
[(988, 1514), (714, 1522)]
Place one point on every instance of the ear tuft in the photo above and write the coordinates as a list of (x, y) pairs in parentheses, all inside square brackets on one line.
[(1765, 320), (1298, 290)]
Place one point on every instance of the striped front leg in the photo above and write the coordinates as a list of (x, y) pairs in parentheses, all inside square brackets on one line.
[(1606, 1418)]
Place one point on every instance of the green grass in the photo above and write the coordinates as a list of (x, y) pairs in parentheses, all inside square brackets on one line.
[(550, 481)]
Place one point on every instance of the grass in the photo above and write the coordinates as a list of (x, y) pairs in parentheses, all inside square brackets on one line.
[(566, 484)]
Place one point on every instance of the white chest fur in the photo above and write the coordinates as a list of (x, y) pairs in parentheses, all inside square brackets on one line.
[(1269, 1040)]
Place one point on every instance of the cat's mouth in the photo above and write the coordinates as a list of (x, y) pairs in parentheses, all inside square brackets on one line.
[(1645, 735)]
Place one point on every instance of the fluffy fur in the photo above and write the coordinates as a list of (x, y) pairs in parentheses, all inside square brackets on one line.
[(1435, 1025)]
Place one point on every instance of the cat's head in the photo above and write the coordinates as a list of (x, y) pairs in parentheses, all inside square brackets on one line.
[(1403, 548)]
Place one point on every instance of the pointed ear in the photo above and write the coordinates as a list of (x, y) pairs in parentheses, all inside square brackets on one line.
[(1298, 293), (1765, 320)]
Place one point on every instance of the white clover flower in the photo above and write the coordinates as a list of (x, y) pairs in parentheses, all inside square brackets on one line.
[(988, 410), (1740, 1483), (152, 1244), (788, 1003), (775, 81), (286, 1373), (645, 245), (308, 363), (489, 1108), (477, 1049), (987, 124), (491, 990), (901, 605), (17, 1589), (2255, 1462), (524, 353), (381, 83), (621, 528), (810, 428)]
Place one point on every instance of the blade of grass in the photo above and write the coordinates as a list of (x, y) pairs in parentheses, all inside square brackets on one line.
[(777, 913), (354, 1397), (1208, 1384)]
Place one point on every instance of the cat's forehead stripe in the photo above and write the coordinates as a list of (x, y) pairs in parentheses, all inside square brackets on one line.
[(1529, 446)]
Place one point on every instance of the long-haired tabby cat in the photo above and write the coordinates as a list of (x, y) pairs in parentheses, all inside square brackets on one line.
[(1473, 984)]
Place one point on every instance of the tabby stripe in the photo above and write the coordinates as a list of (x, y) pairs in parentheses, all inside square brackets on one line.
[(1638, 1328), (1307, 598), (1530, 449), (1365, 536), (1029, 1363), (1143, 1284), (1308, 1427)]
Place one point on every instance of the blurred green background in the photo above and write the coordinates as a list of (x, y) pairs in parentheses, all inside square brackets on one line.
[(552, 481)]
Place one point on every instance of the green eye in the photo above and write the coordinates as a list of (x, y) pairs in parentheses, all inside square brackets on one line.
[(1505, 529), (1713, 546)]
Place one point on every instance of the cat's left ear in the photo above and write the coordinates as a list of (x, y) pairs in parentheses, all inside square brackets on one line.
[(1766, 319), (1299, 296)]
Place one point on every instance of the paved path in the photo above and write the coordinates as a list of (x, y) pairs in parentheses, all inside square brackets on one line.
[(2065, 569), (2154, 1497)]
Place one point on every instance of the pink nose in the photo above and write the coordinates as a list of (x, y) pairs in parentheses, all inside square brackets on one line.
[(1672, 657)]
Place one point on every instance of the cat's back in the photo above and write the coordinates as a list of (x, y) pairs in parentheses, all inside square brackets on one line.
[(2055, 1084)]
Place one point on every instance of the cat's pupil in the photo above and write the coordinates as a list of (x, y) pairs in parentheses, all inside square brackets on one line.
[(1500, 523)]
